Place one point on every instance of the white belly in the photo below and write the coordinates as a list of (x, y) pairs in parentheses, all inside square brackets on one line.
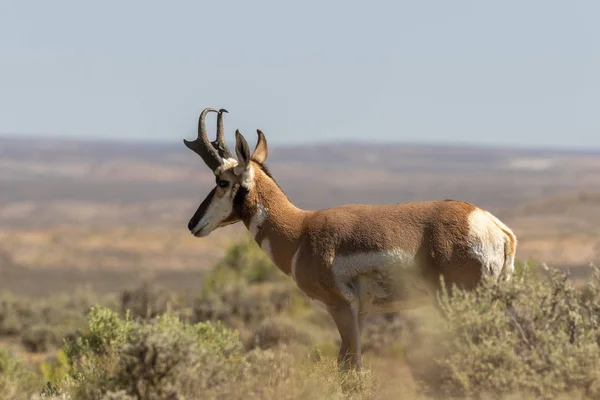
[(377, 295), (383, 281)]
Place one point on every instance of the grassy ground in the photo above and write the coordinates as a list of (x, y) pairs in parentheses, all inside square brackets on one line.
[(249, 333)]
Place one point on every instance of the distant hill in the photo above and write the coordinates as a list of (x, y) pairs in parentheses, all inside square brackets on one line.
[(62, 181), (563, 229), (84, 204)]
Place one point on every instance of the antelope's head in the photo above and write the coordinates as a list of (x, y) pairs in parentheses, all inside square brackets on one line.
[(234, 178)]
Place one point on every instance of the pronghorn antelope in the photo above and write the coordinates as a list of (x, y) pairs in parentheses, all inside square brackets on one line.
[(355, 259)]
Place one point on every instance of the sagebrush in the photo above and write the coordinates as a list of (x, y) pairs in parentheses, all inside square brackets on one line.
[(251, 334)]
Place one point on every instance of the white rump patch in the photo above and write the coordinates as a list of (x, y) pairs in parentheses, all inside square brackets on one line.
[(486, 240)]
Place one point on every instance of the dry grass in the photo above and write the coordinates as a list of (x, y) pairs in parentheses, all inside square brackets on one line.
[(251, 334), (114, 248), (103, 218)]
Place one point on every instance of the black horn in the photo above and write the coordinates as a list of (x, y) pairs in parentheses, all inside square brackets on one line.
[(202, 146), (220, 144)]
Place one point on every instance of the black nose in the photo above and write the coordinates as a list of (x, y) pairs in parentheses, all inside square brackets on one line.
[(196, 218), (192, 224), (201, 210)]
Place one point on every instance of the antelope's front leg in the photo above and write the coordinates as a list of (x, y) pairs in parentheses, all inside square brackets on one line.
[(349, 323)]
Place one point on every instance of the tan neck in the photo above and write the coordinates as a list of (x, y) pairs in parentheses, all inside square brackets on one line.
[(274, 221)]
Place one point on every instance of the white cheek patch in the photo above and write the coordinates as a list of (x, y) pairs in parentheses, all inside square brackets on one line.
[(218, 210)]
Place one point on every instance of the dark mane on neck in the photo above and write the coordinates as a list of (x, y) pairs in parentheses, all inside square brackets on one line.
[(267, 172)]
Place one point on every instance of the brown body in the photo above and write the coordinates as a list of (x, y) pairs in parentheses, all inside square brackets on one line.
[(432, 235), (355, 259)]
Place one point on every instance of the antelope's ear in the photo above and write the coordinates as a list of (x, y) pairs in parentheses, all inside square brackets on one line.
[(261, 150), (242, 150)]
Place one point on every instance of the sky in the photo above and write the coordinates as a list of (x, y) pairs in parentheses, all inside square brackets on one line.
[(510, 73)]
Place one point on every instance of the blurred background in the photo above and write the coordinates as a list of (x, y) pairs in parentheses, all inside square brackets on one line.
[(384, 102), (495, 103)]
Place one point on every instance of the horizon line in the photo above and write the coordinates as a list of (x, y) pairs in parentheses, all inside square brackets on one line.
[(313, 143)]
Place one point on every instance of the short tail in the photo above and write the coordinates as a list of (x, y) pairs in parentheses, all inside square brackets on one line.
[(510, 249)]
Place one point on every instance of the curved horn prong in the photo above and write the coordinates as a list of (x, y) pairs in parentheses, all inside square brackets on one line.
[(220, 143), (202, 146)]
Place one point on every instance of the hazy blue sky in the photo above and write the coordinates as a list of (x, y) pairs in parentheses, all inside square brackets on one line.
[(505, 72)]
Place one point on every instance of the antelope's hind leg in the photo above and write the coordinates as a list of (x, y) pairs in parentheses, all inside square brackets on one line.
[(349, 324)]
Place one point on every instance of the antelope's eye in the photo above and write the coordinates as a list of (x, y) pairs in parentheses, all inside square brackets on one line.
[(223, 183)]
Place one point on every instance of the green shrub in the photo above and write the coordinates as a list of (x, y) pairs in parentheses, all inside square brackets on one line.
[(42, 324), (244, 262), (40, 338), (239, 304), (14, 315), (275, 331), (536, 335), (16, 380), (56, 368), (245, 289), (149, 300), (161, 358)]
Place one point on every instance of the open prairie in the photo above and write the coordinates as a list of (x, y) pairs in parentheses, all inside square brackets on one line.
[(110, 213), (88, 223)]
